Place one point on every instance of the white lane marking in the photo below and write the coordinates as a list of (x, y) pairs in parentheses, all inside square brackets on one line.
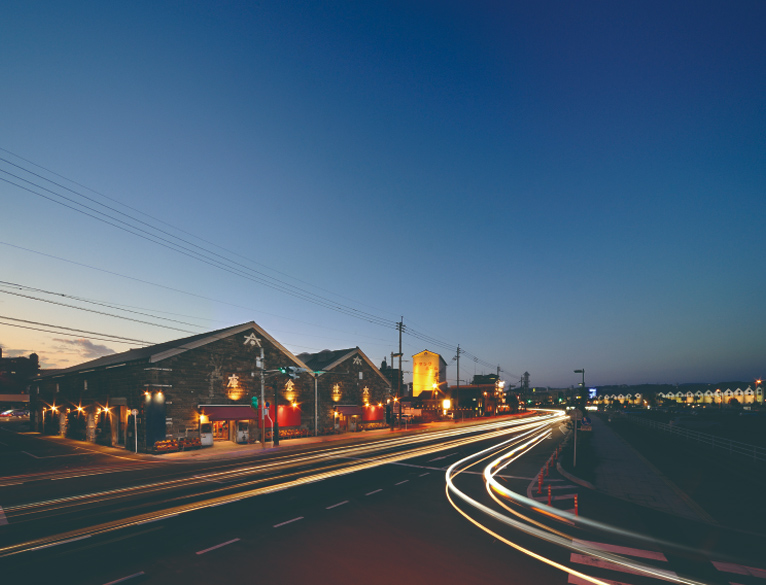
[(373, 492), (432, 468), (442, 457), (624, 550), (62, 542), (555, 498), (158, 519), (224, 503), (739, 569), (205, 478), (288, 522), (401, 482), (575, 580), (125, 578), (57, 456), (336, 505), (424, 474), (1, 443), (602, 564), (3, 519), (202, 552)]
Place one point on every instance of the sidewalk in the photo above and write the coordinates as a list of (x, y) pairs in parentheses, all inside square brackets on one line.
[(623, 473), (227, 450)]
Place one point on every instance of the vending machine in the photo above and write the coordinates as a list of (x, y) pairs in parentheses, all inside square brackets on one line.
[(206, 434), (243, 432)]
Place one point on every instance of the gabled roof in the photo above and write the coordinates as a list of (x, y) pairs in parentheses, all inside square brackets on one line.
[(162, 351), (327, 360)]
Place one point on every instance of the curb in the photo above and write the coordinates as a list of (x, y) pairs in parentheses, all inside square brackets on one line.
[(573, 478)]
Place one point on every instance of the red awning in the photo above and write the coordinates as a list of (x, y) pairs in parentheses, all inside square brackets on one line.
[(350, 410), (227, 412)]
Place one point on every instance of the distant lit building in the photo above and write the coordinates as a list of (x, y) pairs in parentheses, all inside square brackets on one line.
[(429, 372)]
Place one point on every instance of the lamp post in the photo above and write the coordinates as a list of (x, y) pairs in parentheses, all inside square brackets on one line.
[(582, 384), (577, 418)]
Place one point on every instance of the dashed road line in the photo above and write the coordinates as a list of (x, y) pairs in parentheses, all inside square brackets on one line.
[(224, 503), (288, 522), (575, 580), (202, 552), (134, 575), (336, 505), (554, 498), (62, 542), (373, 492), (159, 519), (424, 474), (401, 482), (624, 550)]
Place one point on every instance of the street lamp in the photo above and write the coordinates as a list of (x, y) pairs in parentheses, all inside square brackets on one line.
[(583, 377), (578, 416)]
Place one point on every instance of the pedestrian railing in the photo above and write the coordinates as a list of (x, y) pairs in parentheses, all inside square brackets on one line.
[(753, 452)]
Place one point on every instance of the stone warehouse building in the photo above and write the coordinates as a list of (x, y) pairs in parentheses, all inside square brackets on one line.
[(204, 382), (355, 389)]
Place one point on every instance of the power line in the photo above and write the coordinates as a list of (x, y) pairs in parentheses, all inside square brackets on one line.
[(24, 324), (158, 220), (199, 253)]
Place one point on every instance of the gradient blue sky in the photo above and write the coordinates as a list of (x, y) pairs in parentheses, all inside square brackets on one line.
[(553, 185)]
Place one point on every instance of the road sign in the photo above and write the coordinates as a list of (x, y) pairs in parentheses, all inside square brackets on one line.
[(134, 412), (575, 414)]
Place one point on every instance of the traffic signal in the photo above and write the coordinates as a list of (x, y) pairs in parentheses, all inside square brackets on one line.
[(254, 402), (291, 371)]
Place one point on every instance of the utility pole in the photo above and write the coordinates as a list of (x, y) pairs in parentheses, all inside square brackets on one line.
[(316, 404), (457, 392), (275, 426), (400, 326), (263, 402)]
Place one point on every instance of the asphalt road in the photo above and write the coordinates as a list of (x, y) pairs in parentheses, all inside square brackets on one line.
[(379, 524)]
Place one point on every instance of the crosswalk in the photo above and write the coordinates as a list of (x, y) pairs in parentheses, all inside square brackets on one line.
[(612, 573)]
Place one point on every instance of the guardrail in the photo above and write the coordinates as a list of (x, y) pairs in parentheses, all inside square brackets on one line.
[(753, 452)]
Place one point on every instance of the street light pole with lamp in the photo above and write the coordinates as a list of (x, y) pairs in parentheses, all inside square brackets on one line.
[(578, 416)]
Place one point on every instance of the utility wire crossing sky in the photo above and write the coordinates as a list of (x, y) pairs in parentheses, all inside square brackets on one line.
[(551, 186)]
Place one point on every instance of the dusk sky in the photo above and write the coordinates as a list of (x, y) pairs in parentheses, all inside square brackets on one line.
[(551, 185)]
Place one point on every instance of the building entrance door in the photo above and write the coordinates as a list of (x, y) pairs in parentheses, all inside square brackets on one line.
[(221, 430)]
